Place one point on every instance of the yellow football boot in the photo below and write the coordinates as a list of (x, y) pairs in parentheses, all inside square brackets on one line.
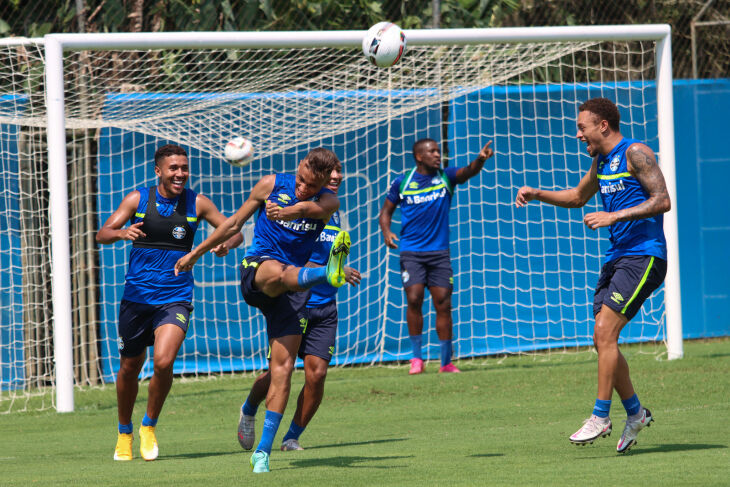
[(123, 451), (147, 443)]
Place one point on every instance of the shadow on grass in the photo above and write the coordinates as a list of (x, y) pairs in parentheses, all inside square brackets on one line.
[(202, 454), (348, 462), (486, 455), (358, 443), (671, 447), (668, 448)]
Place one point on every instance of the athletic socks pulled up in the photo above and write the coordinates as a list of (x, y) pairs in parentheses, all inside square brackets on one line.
[(416, 345), (249, 409), (271, 425), (445, 352), (632, 405), (311, 276)]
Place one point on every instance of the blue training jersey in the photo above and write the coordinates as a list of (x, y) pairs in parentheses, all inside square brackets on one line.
[(619, 190), (425, 201), (288, 242), (324, 293), (151, 276)]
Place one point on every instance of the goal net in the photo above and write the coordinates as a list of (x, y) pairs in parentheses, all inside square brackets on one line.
[(523, 278)]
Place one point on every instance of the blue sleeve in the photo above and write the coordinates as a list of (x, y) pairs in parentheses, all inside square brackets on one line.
[(451, 174), (144, 194), (394, 193)]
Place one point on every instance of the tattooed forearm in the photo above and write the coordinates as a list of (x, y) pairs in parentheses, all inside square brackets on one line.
[(643, 166)]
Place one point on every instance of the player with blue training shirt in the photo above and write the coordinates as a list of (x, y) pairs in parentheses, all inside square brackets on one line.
[(424, 194), (293, 211), (155, 307), (634, 196), (316, 349)]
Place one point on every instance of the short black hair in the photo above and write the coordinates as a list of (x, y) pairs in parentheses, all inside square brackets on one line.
[(418, 146), (604, 109), (168, 150)]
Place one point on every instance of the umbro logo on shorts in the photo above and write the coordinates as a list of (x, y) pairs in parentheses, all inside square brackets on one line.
[(332, 350), (303, 322), (617, 298), (181, 317)]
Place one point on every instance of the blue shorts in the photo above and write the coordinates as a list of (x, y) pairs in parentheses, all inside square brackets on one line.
[(138, 322), (319, 337), (285, 314), (625, 283), (431, 268)]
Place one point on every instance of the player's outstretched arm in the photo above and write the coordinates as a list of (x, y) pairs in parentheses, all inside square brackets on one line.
[(385, 218), (209, 212), (567, 198), (316, 210), (467, 172), (112, 230), (230, 226)]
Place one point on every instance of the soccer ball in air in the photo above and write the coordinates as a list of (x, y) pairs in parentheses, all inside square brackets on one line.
[(238, 152), (384, 44)]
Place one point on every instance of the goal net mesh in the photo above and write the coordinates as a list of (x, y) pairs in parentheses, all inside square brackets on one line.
[(523, 278)]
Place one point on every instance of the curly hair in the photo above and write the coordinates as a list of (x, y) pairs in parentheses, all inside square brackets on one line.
[(603, 109)]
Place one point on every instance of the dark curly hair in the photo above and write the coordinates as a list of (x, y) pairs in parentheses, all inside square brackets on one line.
[(603, 109)]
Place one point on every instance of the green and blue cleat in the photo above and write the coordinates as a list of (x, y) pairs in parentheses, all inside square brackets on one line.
[(336, 261), (260, 462)]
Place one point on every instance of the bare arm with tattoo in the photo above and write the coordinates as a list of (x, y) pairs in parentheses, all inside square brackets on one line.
[(643, 166)]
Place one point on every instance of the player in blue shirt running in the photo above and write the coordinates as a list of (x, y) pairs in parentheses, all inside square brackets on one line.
[(316, 349), (292, 212), (424, 195), (634, 196), (155, 307)]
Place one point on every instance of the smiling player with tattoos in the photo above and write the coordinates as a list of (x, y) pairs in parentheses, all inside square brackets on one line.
[(634, 196)]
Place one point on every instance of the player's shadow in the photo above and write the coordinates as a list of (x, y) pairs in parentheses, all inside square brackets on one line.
[(358, 443), (672, 447), (667, 448), (200, 454), (348, 462), (486, 455)]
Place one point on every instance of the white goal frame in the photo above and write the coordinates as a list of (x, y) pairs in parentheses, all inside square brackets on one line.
[(56, 44)]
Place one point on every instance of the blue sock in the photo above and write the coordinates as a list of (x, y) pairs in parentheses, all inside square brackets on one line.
[(249, 409), (294, 431), (445, 352), (602, 408), (126, 428), (416, 345), (271, 425), (311, 276), (147, 421), (632, 405)]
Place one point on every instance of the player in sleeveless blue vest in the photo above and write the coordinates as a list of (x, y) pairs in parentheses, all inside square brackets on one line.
[(293, 211), (155, 307), (316, 349), (634, 196), (424, 194)]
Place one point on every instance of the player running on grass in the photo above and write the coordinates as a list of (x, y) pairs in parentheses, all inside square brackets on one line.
[(316, 349), (155, 306), (634, 197), (293, 213), (424, 195)]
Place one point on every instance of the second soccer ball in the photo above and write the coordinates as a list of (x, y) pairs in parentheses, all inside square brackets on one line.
[(384, 44)]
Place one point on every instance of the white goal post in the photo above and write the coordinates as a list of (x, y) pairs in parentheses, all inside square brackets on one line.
[(57, 44)]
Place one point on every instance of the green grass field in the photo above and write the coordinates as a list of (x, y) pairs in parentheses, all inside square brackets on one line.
[(501, 422)]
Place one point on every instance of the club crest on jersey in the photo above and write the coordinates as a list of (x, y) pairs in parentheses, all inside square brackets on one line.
[(436, 180), (615, 163), (178, 232)]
